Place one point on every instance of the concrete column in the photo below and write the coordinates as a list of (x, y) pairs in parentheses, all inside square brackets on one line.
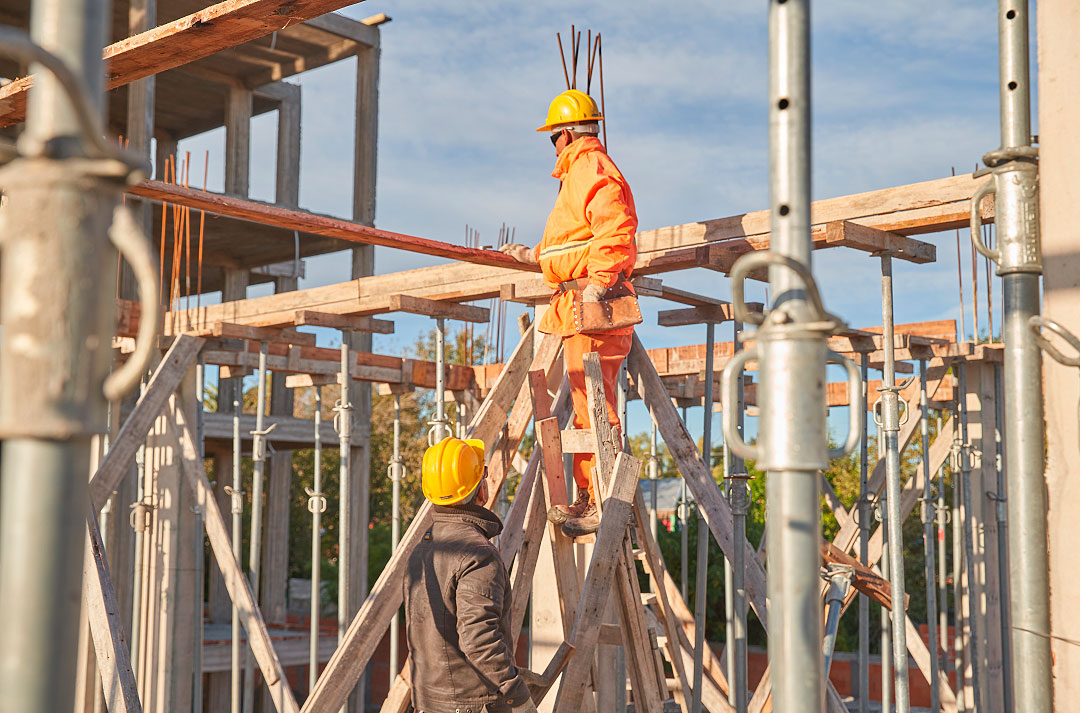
[(1059, 102)]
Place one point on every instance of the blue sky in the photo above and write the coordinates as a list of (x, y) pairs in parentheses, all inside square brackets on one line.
[(902, 92)]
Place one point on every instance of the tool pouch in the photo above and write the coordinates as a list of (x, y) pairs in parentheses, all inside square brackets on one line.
[(618, 309)]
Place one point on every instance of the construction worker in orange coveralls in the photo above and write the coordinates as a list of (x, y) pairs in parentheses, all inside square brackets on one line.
[(590, 235)]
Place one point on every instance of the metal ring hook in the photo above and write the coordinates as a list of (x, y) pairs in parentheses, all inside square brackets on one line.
[(1037, 322)]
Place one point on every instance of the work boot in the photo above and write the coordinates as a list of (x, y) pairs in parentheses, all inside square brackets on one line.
[(587, 523), (558, 514)]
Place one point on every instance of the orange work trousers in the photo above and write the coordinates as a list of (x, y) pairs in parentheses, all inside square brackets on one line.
[(612, 349)]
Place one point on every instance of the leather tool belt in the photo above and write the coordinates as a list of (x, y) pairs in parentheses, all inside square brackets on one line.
[(618, 308)]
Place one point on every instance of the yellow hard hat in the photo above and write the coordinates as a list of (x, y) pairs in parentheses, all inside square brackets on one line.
[(571, 107), (452, 470)]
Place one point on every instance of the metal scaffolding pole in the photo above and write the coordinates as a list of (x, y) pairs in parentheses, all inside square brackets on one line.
[(886, 625), (316, 506), (956, 456), (839, 586), (791, 354), (236, 499), (396, 471), (942, 517), (57, 312), (654, 474), (739, 495), (863, 512), (1002, 543), (137, 518), (928, 540), (343, 424), (440, 427), (701, 578), (968, 540), (684, 533), (620, 651), (889, 422), (1015, 186), (258, 457)]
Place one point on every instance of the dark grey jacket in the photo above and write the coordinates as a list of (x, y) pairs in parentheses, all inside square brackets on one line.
[(457, 613)]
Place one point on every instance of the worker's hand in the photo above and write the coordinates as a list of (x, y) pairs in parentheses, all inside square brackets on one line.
[(519, 252), (592, 293)]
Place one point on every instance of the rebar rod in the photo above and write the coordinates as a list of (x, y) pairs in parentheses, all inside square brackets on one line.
[(1002, 544), (792, 432), (928, 542), (968, 539), (863, 513), (258, 458), (702, 572), (56, 356), (316, 504), (890, 426), (237, 510), (343, 423)]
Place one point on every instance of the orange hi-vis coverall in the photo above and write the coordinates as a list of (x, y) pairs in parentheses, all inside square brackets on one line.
[(590, 233)]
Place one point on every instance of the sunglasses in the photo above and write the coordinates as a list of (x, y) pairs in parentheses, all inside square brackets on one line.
[(555, 137)]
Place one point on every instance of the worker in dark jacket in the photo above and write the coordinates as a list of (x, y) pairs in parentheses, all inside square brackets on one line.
[(457, 595)]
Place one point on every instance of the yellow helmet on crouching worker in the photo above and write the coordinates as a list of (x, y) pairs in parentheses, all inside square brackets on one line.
[(571, 107), (452, 470)]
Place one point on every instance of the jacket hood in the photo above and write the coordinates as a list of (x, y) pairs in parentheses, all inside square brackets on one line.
[(569, 154), (472, 514)]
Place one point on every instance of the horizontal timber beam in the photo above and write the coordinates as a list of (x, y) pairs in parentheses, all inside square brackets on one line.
[(200, 34)]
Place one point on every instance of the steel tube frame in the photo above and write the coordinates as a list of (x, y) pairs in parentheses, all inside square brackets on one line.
[(792, 432), (890, 426), (684, 535), (839, 585), (1018, 256), (439, 428), (886, 624), (258, 457), (928, 541), (738, 485), (942, 516), (702, 571), (236, 509), (957, 565), (1002, 544), (654, 474), (56, 225), (863, 513), (343, 424), (397, 472), (968, 539), (316, 505)]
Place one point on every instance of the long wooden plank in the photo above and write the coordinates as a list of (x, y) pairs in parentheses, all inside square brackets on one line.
[(270, 214), (235, 581), (597, 587), (103, 612), (698, 478), (180, 357), (525, 562), (200, 34)]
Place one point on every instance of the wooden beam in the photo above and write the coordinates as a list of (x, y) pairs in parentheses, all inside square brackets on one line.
[(237, 583), (103, 612), (716, 314), (227, 24), (274, 215), (262, 334), (875, 240), (343, 322), (170, 371), (434, 308)]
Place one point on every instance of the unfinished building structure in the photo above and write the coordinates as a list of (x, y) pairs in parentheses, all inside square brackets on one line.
[(139, 620)]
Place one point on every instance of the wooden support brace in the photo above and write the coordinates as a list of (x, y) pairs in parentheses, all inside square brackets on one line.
[(435, 308), (716, 314), (277, 335), (347, 322), (180, 357), (103, 612), (874, 240)]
